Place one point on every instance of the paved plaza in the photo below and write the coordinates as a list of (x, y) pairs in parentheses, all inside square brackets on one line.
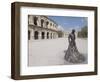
[(51, 51)]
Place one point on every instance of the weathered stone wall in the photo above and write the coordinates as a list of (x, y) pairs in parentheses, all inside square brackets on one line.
[(40, 27)]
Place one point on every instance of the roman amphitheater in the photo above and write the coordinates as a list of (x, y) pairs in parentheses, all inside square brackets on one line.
[(42, 27)]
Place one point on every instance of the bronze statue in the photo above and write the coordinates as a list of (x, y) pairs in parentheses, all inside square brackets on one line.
[(72, 54)]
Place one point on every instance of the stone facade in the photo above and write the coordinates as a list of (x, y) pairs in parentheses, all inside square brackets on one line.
[(41, 27), (66, 34)]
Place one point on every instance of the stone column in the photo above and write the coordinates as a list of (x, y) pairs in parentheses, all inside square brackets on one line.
[(52, 35), (55, 35), (45, 35), (32, 34), (38, 21), (40, 35), (49, 35), (30, 20), (45, 24)]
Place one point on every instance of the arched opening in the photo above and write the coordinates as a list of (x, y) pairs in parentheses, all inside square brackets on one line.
[(47, 23), (51, 35), (36, 33), (47, 35), (43, 35), (50, 24), (35, 20), (29, 35), (42, 21)]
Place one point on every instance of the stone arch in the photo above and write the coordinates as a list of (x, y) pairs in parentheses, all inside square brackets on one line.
[(47, 35), (29, 34), (43, 35), (51, 35), (36, 35), (42, 22), (51, 24), (35, 20), (47, 23)]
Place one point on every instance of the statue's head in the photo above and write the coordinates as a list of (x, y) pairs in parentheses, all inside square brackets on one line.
[(73, 31)]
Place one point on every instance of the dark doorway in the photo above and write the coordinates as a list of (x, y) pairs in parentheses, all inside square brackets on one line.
[(47, 35), (47, 23), (42, 21), (36, 35), (51, 35), (28, 35), (43, 35), (35, 20)]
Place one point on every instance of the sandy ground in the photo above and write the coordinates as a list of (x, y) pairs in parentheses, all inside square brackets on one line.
[(52, 51)]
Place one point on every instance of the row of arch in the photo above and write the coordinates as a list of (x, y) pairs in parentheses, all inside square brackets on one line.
[(42, 21), (43, 35)]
